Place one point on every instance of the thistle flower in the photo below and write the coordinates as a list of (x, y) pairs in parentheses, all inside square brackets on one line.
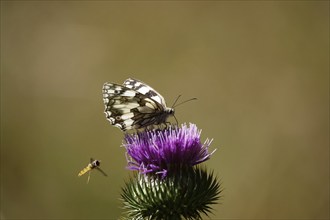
[(164, 152), (174, 188)]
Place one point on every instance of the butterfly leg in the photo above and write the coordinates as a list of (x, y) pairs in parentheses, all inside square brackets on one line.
[(169, 124), (176, 120), (150, 127)]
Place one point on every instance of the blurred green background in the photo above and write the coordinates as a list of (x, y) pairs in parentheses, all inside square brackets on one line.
[(260, 71)]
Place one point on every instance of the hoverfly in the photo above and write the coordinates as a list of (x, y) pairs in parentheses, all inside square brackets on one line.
[(94, 164)]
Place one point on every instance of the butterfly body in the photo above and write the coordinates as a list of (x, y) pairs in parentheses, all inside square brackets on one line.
[(134, 105)]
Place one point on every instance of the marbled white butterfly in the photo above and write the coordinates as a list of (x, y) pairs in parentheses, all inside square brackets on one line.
[(134, 105)]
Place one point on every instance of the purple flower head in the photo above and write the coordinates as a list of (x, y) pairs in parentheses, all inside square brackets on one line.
[(165, 151)]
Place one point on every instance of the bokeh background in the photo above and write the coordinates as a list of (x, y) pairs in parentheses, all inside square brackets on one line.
[(260, 71)]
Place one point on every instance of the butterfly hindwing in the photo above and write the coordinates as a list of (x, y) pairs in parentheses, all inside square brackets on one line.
[(134, 105), (119, 104)]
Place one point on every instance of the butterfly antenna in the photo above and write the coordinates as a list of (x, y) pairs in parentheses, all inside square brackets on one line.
[(176, 101), (184, 102)]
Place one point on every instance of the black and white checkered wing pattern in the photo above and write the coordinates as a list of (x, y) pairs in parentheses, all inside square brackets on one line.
[(133, 106), (146, 90)]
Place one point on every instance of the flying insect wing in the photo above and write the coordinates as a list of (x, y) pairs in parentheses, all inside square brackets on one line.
[(99, 169)]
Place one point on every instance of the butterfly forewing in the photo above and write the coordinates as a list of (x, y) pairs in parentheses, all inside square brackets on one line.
[(145, 89), (134, 105)]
